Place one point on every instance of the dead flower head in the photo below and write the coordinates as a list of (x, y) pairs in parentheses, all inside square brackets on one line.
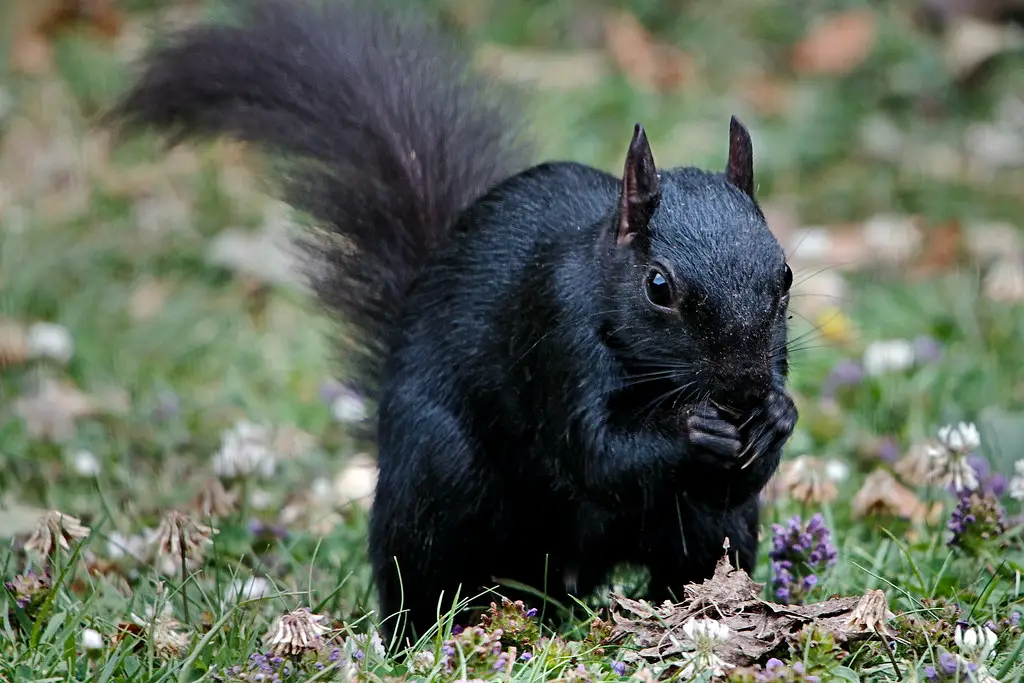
[(56, 530), (881, 495), (168, 635), (871, 613), (214, 500), (916, 466), (296, 632), (807, 480), (179, 535)]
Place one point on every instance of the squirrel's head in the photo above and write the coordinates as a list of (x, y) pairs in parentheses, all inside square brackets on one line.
[(701, 286)]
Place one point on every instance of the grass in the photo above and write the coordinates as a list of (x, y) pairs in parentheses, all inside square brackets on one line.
[(114, 243)]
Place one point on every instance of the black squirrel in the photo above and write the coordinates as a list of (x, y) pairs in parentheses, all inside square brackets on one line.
[(572, 369)]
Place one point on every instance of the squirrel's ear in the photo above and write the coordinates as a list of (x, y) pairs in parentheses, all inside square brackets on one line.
[(740, 169), (641, 189)]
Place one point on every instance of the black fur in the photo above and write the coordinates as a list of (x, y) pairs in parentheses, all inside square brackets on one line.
[(539, 412)]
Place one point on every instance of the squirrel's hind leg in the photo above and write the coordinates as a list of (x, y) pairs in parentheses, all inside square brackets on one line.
[(432, 522)]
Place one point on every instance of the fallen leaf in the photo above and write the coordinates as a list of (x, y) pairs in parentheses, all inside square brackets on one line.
[(31, 54), (837, 44), (881, 495), (544, 69), (939, 252), (759, 629), (769, 96), (14, 347), (648, 64), (101, 15), (892, 238), (970, 43), (148, 298), (53, 409), (991, 241), (1004, 281)]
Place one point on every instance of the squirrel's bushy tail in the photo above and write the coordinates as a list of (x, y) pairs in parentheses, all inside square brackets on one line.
[(392, 134)]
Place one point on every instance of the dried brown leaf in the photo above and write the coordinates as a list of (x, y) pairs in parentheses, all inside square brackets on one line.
[(759, 628), (100, 15), (940, 251), (767, 95), (836, 45), (647, 63), (148, 298), (970, 43), (13, 342), (882, 495), (31, 54)]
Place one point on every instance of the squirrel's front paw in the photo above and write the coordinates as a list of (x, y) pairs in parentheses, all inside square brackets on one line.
[(777, 419), (714, 440)]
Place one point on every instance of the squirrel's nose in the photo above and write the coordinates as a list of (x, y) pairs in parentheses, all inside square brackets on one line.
[(742, 385)]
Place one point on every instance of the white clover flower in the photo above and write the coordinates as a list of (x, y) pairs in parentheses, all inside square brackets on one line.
[(1016, 487), (423, 661), (85, 463), (949, 468), (92, 641), (50, 340), (893, 355), (119, 545), (703, 635), (977, 643), (245, 450), (348, 408), (252, 588), (961, 438), (836, 470)]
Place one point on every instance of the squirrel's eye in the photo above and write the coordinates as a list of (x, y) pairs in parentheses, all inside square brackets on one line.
[(787, 280), (659, 291)]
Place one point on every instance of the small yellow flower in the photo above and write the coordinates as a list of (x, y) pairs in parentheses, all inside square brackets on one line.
[(296, 632), (834, 326), (56, 530)]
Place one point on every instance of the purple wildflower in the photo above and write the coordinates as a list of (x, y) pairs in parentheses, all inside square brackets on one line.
[(927, 349), (168, 406), (29, 589), (619, 668), (978, 518), (948, 668), (776, 670), (532, 612), (330, 390), (888, 450), (845, 373), (798, 553)]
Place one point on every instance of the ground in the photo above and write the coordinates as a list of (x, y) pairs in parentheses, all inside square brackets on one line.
[(155, 345)]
